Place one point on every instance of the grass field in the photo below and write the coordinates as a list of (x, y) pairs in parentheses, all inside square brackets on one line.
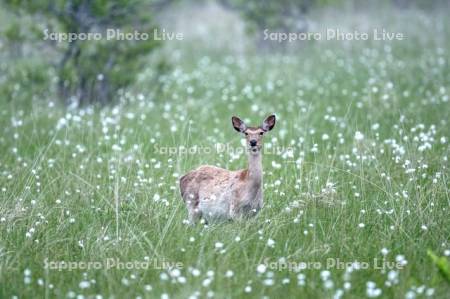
[(367, 180)]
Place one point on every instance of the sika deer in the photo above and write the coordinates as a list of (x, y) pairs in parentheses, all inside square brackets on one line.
[(215, 193)]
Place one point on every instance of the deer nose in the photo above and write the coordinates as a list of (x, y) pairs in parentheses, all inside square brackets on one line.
[(253, 142)]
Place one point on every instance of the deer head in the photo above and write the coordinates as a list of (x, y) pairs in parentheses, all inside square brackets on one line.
[(254, 135)]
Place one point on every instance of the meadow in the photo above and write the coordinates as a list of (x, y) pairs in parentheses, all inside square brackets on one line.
[(355, 197)]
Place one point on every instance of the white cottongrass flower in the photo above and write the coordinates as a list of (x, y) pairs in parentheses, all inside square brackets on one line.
[(325, 274), (125, 281), (372, 291), (392, 278), (268, 282), (276, 165), (410, 295), (148, 288), (328, 284), (195, 272), (261, 268), (359, 136), (339, 293), (207, 282), (175, 272), (163, 276), (301, 279), (401, 260), (84, 284)]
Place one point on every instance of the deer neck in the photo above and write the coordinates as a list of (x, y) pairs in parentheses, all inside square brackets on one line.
[(255, 173)]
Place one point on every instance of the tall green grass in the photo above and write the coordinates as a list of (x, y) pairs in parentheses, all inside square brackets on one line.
[(368, 179)]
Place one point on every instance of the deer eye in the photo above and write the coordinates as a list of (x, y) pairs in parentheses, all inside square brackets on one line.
[(246, 134), (261, 133)]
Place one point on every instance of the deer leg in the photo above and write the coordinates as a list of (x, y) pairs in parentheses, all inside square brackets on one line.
[(194, 215)]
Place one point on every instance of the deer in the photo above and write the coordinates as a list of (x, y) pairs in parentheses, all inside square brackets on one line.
[(212, 193)]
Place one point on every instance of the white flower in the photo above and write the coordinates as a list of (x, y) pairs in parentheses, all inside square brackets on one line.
[(276, 165), (401, 259), (148, 288), (372, 291), (206, 282), (195, 272), (359, 136), (410, 295), (175, 272), (125, 281), (328, 284), (393, 276), (268, 282), (84, 284), (384, 251), (325, 274), (339, 293), (218, 245), (261, 268), (271, 243), (163, 276)]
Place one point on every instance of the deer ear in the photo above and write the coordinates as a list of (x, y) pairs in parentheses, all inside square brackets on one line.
[(268, 123), (238, 124)]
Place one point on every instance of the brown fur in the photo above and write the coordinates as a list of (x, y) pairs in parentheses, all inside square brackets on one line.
[(191, 182), (243, 175)]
